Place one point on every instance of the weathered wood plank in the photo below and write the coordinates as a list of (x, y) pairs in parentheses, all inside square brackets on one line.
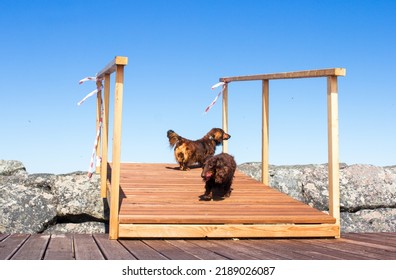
[(224, 249), (199, 252), (60, 247), (169, 250), (3, 236), (376, 240), (11, 244), (337, 247), (34, 248), (141, 250), (243, 247), (351, 246), (112, 249), (85, 248)]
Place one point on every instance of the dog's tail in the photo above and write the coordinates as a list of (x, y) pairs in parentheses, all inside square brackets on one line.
[(173, 137)]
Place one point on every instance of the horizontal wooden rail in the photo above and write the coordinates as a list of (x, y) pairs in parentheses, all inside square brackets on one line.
[(112, 65), (289, 75)]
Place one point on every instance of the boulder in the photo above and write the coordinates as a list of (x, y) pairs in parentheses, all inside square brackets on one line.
[(36, 203), (367, 192)]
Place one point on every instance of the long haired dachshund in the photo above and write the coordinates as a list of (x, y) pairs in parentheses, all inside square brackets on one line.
[(218, 172), (188, 152)]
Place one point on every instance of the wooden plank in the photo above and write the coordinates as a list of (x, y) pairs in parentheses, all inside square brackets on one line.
[(224, 249), (287, 250), (265, 134), (244, 246), (116, 151), (288, 75), (376, 244), (112, 249), (85, 248), (60, 247), (261, 248), (225, 116), (201, 253), (3, 236), (170, 251), (386, 241), (11, 244), (111, 67), (225, 231), (141, 250), (34, 248), (339, 248), (105, 137), (333, 150)]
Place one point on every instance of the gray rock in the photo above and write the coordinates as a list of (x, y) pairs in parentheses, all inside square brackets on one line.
[(46, 202), (11, 167), (377, 220), (85, 227), (367, 193), (25, 209), (79, 195)]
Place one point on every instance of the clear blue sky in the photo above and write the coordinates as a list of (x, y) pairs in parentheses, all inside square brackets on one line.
[(177, 50)]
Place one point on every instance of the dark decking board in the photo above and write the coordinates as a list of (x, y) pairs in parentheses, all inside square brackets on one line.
[(351, 246)]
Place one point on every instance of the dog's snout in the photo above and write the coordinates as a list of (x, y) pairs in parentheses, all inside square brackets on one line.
[(226, 136)]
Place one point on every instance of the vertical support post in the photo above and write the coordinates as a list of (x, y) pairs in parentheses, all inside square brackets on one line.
[(225, 115), (98, 117), (265, 134), (333, 150), (105, 137), (116, 165)]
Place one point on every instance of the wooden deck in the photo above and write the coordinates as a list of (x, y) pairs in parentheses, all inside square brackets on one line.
[(351, 246), (160, 201)]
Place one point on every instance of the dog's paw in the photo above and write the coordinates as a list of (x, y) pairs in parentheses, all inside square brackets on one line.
[(205, 197)]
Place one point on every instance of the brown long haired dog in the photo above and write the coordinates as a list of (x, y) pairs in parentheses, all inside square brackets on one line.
[(188, 152), (218, 172)]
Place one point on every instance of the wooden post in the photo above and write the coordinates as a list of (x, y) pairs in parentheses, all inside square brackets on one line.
[(333, 150), (115, 174), (98, 117), (265, 134), (225, 115), (105, 137)]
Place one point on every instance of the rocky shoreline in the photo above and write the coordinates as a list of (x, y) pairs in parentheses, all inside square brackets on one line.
[(71, 203)]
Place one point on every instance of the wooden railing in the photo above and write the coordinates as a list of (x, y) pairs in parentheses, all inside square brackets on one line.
[(332, 123), (110, 189)]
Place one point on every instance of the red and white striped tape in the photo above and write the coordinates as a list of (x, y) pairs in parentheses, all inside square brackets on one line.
[(92, 92), (95, 159), (223, 84)]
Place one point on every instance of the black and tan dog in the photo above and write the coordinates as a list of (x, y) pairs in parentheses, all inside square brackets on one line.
[(189, 152), (218, 173)]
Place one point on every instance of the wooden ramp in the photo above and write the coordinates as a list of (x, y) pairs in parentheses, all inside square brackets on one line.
[(160, 201)]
